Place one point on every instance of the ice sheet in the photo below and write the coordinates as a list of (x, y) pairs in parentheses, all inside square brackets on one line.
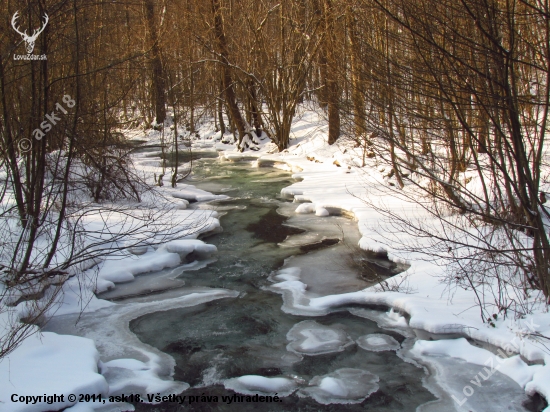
[(132, 366)]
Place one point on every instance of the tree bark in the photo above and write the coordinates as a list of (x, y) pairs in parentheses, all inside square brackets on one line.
[(157, 71), (332, 92), (230, 97)]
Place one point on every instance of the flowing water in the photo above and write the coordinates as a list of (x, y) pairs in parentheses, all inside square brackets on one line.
[(248, 333)]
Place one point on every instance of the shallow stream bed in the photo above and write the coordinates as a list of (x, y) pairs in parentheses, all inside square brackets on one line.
[(249, 335), (341, 360)]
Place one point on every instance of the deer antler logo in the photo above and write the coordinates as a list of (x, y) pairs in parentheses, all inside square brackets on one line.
[(29, 40)]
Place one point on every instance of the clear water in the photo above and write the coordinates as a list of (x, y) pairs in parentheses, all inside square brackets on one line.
[(184, 155), (247, 335)]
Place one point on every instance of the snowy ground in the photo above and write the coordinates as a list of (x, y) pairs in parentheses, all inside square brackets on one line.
[(331, 182)]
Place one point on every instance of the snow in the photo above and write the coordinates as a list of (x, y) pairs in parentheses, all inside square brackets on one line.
[(321, 211), (460, 348), (190, 193), (168, 255), (430, 304), (334, 387), (48, 363), (432, 308), (390, 320), (539, 384), (305, 208), (465, 387), (254, 384), (62, 364), (184, 247)]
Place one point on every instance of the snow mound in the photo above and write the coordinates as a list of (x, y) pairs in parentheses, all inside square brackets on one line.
[(123, 374), (124, 270), (311, 338), (345, 385), (186, 246), (305, 208), (377, 342), (540, 382), (49, 363), (182, 204), (321, 211), (166, 256), (192, 194), (254, 384)]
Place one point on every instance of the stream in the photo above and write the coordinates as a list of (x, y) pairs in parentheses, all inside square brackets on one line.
[(215, 320)]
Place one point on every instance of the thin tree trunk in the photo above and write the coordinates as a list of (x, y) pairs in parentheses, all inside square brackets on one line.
[(332, 88), (157, 71), (357, 89), (227, 79)]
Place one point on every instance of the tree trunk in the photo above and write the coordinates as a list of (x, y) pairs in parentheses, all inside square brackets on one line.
[(332, 92), (357, 89), (157, 72), (227, 79)]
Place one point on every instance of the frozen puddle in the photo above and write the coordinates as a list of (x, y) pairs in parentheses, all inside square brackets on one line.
[(311, 338), (345, 385), (377, 342)]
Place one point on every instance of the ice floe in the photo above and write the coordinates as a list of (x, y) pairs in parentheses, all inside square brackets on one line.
[(311, 338), (377, 342), (255, 384), (345, 385)]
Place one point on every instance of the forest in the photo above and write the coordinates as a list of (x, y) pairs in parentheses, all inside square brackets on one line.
[(452, 95)]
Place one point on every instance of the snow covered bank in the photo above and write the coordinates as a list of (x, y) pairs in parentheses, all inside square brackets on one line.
[(107, 359), (50, 364), (331, 181)]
